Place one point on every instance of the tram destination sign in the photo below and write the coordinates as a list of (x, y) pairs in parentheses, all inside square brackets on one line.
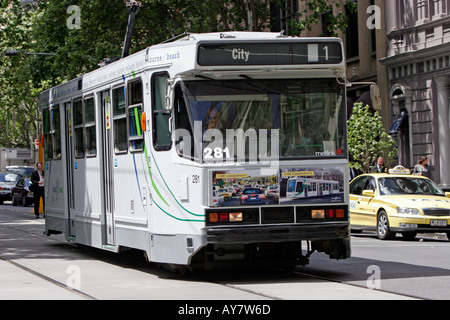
[(269, 53)]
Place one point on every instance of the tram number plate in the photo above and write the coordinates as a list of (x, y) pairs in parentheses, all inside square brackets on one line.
[(438, 223)]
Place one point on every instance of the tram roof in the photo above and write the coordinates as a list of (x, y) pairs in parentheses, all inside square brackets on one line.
[(178, 55)]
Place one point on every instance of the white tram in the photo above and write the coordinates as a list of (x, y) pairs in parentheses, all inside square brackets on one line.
[(298, 188), (134, 150)]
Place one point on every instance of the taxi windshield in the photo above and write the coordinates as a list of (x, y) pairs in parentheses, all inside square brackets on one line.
[(408, 185)]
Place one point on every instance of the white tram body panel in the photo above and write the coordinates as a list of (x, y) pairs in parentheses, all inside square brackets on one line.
[(111, 191)]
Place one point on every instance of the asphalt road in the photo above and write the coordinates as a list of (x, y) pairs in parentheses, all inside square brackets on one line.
[(33, 266)]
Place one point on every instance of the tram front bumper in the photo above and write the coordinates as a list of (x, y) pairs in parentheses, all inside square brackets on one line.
[(277, 233)]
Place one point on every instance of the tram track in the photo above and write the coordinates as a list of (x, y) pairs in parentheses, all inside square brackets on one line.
[(130, 259), (34, 271), (48, 279)]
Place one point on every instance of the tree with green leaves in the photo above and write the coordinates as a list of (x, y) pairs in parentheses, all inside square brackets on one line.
[(18, 111), (367, 139)]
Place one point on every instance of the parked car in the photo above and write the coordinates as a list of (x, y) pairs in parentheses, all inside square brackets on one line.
[(21, 193), (398, 202), (7, 181), (252, 196)]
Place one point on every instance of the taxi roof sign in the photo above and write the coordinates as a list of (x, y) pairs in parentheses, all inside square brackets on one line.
[(399, 170)]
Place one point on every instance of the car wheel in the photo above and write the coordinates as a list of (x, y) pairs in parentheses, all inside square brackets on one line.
[(14, 202), (383, 230)]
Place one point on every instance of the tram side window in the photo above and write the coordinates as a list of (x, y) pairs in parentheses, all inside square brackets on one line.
[(120, 121), (56, 133), (136, 137), (48, 147), (160, 116), (78, 129), (89, 123), (184, 140)]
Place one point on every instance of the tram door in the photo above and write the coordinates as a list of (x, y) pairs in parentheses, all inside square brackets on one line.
[(107, 171), (69, 169)]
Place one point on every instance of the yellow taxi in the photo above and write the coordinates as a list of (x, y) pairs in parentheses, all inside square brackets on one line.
[(398, 202), (226, 193)]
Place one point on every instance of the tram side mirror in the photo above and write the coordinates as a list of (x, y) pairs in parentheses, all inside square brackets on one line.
[(375, 97), (169, 94)]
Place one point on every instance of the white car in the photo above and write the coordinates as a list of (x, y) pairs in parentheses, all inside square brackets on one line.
[(218, 199)]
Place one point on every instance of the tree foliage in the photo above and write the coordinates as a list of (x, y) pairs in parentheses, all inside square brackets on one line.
[(17, 91), (367, 139)]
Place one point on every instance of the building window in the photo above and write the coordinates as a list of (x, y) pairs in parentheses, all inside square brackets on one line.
[(282, 13), (351, 34), (373, 34)]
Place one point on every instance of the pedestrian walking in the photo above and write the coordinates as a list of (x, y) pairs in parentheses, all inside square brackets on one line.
[(37, 178)]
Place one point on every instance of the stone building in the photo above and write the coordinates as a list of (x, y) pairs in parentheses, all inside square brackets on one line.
[(418, 64)]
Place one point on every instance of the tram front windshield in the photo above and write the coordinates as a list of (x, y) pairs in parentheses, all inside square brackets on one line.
[(307, 116)]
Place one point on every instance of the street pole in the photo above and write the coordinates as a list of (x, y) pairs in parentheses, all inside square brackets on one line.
[(249, 15)]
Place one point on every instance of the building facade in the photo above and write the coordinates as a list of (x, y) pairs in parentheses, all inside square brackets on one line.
[(418, 66)]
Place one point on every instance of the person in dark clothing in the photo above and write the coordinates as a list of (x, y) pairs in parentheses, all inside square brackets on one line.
[(37, 178), (379, 166)]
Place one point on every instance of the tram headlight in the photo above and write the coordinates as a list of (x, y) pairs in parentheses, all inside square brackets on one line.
[(318, 214), (236, 217), (225, 217)]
